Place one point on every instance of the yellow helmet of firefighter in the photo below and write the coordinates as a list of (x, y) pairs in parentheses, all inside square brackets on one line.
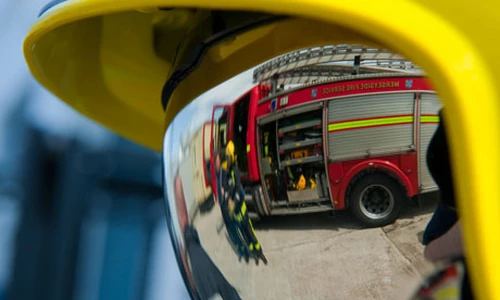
[(111, 60), (302, 183), (231, 157)]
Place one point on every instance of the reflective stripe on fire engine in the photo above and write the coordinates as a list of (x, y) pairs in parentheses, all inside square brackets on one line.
[(383, 121), (429, 119), (248, 148), (357, 124)]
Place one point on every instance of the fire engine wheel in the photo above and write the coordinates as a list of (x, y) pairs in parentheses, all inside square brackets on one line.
[(376, 200)]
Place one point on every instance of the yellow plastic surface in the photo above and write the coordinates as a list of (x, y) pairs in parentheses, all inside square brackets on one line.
[(101, 62)]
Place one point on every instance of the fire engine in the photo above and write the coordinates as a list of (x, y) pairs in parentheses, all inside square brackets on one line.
[(332, 128)]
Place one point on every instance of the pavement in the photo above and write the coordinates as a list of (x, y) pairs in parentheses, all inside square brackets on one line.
[(319, 256)]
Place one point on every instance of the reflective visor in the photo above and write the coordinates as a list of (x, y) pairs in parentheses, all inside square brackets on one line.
[(255, 168)]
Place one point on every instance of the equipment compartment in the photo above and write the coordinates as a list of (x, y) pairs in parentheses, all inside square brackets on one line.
[(300, 139), (292, 160)]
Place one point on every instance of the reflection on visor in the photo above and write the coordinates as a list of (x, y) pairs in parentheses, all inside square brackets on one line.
[(259, 171)]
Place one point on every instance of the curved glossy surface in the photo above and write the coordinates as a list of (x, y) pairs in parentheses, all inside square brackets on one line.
[(310, 252)]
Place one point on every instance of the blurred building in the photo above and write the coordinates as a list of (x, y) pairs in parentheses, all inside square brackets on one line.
[(81, 210)]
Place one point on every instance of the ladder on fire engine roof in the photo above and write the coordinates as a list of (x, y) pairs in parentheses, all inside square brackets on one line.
[(314, 64)]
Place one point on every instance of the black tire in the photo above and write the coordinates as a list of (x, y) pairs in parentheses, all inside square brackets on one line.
[(376, 199)]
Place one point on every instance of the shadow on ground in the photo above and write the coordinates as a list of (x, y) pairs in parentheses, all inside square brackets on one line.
[(342, 219)]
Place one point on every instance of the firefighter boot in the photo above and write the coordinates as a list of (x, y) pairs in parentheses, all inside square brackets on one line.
[(244, 253), (240, 249), (257, 253)]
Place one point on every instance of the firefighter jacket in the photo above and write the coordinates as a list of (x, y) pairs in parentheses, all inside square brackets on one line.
[(234, 187)]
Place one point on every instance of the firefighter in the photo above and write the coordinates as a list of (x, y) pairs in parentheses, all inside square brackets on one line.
[(237, 206), (231, 226)]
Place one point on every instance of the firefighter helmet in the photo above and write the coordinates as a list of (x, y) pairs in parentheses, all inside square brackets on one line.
[(110, 60), (230, 152), (302, 183)]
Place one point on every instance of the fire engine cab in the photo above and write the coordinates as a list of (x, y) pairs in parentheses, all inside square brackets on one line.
[(332, 128)]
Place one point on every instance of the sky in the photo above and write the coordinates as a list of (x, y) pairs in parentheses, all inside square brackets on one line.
[(45, 111), (200, 109), (15, 18), (226, 92)]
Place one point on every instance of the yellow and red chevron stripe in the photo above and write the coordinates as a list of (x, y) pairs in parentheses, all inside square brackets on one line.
[(380, 121)]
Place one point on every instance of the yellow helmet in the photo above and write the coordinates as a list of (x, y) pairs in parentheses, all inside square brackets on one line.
[(230, 151), (113, 60), (302, 183)]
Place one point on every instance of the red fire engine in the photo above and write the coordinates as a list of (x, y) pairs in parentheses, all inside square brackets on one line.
[(356, 140)]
